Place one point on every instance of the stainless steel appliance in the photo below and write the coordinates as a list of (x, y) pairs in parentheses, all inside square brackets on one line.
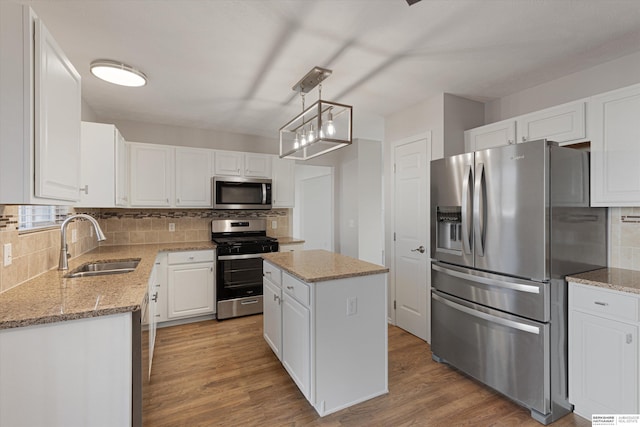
[(508, 224), (241, 193), (240, 243)]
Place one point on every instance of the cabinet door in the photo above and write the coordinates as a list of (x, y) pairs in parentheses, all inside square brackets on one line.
[(603, 365), (97, 166), (190, 288), (57, 120), (193, 177), (272, 316), (615, 147), (560, 124), (153, 311), (122, 170), (257, 165), (489, 136), (296, 350), (150, 175), (283, 183), (228, 163)]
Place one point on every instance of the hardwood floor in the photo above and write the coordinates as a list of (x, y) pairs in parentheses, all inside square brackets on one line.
[(224, 374)]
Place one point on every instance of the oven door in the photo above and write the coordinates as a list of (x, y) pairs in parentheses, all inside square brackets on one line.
[(239, 276), (506, 352)]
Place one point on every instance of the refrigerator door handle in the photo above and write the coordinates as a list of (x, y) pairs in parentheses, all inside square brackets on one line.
[(513, 284), (478, 218), (466, 236)]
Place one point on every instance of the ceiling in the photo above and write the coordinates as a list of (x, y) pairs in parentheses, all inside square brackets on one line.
[(230, 64)]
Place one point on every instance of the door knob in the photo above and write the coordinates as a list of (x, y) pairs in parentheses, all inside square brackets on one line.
[(420, 249)]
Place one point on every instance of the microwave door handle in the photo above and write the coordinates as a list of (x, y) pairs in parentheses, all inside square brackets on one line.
[(466, 236), (264, 194), (478, 219)]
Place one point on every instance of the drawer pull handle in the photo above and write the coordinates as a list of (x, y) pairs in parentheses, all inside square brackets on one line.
[(290, 288), (604, 304), (629, 338)]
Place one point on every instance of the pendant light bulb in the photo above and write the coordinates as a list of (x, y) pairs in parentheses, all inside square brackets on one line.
[(312, 134), (296, 141), (303, 139), (331, 129)]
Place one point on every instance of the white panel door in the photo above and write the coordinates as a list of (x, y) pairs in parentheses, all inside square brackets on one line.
[(283, 183), (411, 220), (228, 163), (257, 165), (57, 120), (191, 290), (272, 316), (122, 171), (151, 175), (193, 177), (560, 124), (97, 169), (296, 342), (489, 136)]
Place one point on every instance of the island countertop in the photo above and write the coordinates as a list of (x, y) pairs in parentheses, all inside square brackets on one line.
[(51, 297), (618, 279), (320, 265)]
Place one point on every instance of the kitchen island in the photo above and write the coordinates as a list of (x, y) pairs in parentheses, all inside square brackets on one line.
[(325, 319), (70, 348)]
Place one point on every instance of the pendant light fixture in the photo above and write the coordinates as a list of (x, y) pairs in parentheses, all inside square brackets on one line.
[(323, 127), (117, 73)]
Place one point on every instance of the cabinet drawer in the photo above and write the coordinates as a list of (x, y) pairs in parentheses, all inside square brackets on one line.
[(272, 273), (602, 302), (297, 289), (184, 257)]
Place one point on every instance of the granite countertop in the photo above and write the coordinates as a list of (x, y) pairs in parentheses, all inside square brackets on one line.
[(321, 265), (288, 240), (50, 297), (618, 279)]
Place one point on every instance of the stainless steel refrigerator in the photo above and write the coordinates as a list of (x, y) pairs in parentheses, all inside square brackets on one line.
[(507, 225)]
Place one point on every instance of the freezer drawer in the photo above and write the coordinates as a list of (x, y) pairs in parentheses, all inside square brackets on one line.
[(523, 297), (505, 352)]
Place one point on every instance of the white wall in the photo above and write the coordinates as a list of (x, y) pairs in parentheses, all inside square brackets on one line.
[(611, 75)]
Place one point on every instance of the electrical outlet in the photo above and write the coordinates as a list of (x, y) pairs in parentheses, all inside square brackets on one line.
[(274, 224), (74, 235), (352, 306), (8, 256), (172, 226)]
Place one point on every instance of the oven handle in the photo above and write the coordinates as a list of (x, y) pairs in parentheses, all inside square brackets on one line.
[(489, 318), (487, 281), (245, 256)]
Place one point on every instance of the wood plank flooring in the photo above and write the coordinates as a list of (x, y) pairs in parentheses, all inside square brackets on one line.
[(224, 374)]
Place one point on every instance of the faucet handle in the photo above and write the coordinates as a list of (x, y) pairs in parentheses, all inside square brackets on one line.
[(68, 255)]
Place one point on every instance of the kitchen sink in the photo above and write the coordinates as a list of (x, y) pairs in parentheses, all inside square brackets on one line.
[(101, 268)]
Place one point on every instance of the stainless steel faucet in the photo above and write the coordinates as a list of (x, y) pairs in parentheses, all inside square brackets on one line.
[(64, 249)]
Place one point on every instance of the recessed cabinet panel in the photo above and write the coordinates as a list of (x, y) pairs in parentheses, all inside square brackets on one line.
[(57, 120), (190, 290), (257, 165), (151, 175), (193, 177), (283, 183), (560, 124), (98, 165), (489, 136), (296, 350), (272, 316), (228, 163)]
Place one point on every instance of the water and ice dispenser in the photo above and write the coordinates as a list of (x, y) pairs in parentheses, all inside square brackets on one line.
[(449, 232)]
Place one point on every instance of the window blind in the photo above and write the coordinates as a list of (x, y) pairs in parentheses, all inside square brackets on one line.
[(38, 217)]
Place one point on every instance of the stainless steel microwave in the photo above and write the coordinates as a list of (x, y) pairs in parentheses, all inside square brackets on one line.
[(241, 193)]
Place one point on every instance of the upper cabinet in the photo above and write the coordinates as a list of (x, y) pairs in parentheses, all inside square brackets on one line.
[(193, 177), (283, 183), (103, 176), (40, 109), (563, 124), (614, 120), (251, 165), (151, 175)]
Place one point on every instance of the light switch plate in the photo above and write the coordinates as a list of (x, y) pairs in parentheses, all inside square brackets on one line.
[(74, 235), (172, 226), (274, 224), (8, 256)]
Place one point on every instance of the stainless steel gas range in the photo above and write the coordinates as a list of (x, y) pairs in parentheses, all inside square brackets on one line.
[(239, 264)]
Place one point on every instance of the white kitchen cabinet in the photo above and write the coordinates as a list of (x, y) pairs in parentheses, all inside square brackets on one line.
[(235, 163), (122, 171), (190, 284), (563, 123), (603, 351), (152, 290), (161, 287), (489, 136), (71, 373), (101, 151), (283, 183), (615, 147), (193, 177), (151, 173), (289, 247), (333, 335), (40, 113), (272, 310)]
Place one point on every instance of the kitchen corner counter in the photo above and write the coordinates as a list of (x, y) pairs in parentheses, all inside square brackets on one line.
[(288, 240), (320, 265), (618, 279), (51, 297)]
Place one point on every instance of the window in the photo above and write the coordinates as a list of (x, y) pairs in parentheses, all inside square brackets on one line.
[(38, 217)]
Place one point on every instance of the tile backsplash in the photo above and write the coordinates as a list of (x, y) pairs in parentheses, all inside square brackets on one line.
[(624, 232), (36, 252)]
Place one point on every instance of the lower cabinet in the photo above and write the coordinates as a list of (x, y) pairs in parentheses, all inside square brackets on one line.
[(603, 351), (331, 336), (190, 284), (288, 247)]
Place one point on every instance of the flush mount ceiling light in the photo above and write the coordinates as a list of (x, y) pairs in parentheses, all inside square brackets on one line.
[(118, 73), (323, 127)]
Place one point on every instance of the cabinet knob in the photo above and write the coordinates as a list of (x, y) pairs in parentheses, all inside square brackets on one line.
[(524, 139), (154, 298), (85, 190), (290, 288), (629, 338), (510, 141)]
